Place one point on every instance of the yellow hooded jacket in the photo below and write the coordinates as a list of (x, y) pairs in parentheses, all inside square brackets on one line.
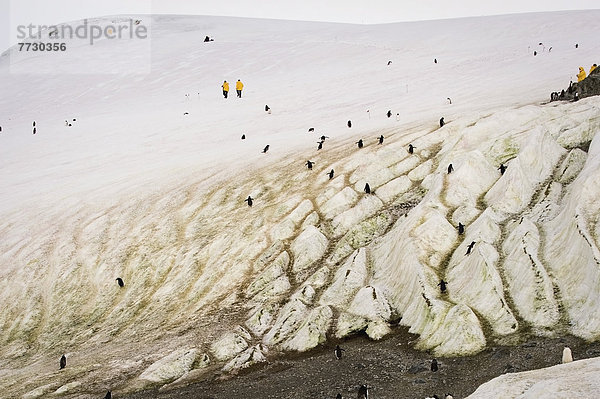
[(239, 85), (225, 86), (581, 74), (592, 68)]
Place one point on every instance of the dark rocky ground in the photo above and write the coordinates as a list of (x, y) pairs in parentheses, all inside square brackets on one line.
[(391, 367)]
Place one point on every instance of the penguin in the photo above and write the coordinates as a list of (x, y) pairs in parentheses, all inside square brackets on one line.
[(534, 53), (502, 168), (267, 109), (360, 143), (450, 169), (243, 137), (33, 123), (367, 188), (381, 139), (331, 172), (434, 365), (389, 62), (398, 116), (108, 395), (442, 285), (311, 129), (470, 247), (435, 60), (34, 130), (265, 149), (339, 396), (461, 228), (186, 113), (338, 352), (448, 395), (349, 123), (320, 146), (363, 392), (120, 282), (442, 123), (389, 113), (324, 137), (309, 164), (63, 362), (567, 356), (411, 148), (449, 100), (249, 201)]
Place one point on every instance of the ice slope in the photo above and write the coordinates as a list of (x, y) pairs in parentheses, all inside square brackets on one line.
[(139, 190)]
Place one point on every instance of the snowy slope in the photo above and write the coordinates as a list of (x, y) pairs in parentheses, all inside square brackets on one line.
[(139, 190)]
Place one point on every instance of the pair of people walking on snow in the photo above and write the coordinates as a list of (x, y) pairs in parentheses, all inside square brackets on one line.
[(239, 86)]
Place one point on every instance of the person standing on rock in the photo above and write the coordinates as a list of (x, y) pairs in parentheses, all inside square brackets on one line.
[(238, 87), (225, 87)]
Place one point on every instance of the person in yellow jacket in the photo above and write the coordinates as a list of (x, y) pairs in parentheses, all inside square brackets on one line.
[(225, 87), (238, 87), (581, 74), (592, 68)]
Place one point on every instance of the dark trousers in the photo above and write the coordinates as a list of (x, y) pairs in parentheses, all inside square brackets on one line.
[(225, 93), (239, 92)]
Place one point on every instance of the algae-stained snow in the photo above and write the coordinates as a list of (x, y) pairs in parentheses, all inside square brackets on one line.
[(138, 190)]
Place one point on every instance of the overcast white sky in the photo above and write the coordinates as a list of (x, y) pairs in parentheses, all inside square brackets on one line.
[(48, 12)]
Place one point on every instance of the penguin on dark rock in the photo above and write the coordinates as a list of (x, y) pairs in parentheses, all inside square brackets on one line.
[(442, 123), (243, 137), (120, 282), (349, 123), (381, 139), (339, 396), (442, 284), (331, 173), (265, 149), (338, 352), (461, 228), (249, 201), (502, 168), (411, 148), (367, 188), (450, 169), (470, 247), (311, 129), (434, 365), (389, 113), (309, 164), (320, 146), (108, 395), (360, 143), (363, 392), (448, 395), (63, 362), (576, 45)]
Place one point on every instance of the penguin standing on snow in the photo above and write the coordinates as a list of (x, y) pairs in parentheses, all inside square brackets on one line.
[(309, 164), (442, 123), (243, 137), (311, 129), (502, 168), (265, 149), (442, 285), (461, 228), (367, 188), (267, 109), (434, 365), (320, 145), (360, 143), (324, 137), (450, 169), (470, 247), (63, 362), (389, 113), (338, 352), (349, 123), (411, 148), (249, 201), (331, 173), (120, 282), (381, 139)]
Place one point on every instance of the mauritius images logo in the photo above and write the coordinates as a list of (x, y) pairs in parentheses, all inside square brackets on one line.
[(101, 45)]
